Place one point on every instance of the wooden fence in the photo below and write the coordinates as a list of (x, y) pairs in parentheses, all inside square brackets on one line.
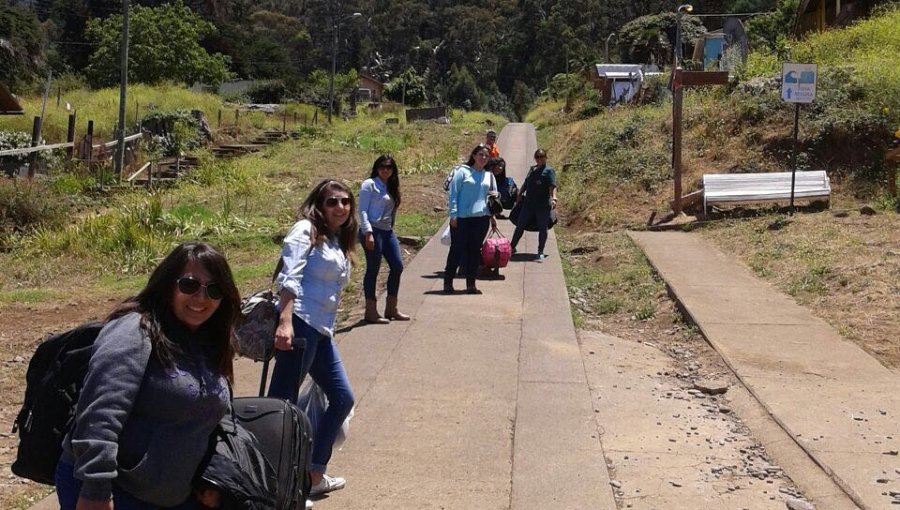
[(83, 151)]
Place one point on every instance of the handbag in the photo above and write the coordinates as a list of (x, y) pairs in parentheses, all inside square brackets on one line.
[(254, 332), (532, 225), (496, 250), (493, 202)]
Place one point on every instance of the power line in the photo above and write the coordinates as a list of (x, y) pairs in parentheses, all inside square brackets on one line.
[(729, 15)]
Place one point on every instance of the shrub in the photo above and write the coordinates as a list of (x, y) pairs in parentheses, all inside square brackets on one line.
[(268, 92), (25, 205)]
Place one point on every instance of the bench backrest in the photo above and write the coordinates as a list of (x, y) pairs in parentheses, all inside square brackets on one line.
[(733, 182)]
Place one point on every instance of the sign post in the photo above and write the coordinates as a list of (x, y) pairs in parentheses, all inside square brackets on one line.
[(798, 85)]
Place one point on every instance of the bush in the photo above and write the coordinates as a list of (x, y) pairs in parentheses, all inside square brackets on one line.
[(25, 205), (271, 92)]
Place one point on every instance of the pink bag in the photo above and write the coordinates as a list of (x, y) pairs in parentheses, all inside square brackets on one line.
[(496, 250)]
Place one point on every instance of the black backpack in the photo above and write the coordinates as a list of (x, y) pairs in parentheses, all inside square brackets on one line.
[(52, 385)]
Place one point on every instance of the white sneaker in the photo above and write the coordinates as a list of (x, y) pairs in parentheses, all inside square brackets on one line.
[(328, 484), (309, 504)]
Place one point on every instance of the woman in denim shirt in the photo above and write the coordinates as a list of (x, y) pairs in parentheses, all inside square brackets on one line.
[(316, 256), (379, 198)]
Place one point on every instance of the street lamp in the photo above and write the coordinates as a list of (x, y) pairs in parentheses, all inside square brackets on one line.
[(606, 47), (681, 8), (334, 42)]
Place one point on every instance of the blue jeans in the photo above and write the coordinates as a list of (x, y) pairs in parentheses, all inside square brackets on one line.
[(541, 217), (68, 488), (387, 246), (321, 360), (465, 248)]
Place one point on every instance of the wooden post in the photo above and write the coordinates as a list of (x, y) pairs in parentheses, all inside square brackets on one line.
[(137, 110), (70, 137), (237, 117), (295, 118), (284, 122), (58, 95), (677, 98), (219, 119), (680, 80), (35, 139), (90, 148)]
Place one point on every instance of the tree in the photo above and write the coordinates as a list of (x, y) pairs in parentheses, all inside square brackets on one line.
[(462, 92), (20, 47), (651, 39), (408, 87), (164, 46)]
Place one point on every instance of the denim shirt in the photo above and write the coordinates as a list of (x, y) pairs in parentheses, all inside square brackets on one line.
[(376, 207), (468, 192), (315, 275)]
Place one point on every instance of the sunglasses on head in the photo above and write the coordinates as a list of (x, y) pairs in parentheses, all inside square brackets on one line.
[(334, 201), (189, 286)]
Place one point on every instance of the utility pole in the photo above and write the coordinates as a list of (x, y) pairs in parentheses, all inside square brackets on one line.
[(123, 88), (335, 22)]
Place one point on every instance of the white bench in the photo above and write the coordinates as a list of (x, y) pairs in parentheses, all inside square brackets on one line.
[(773, 186)]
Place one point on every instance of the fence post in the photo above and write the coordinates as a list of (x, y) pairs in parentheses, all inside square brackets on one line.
[(284, 122), (35, 139), (89, 138), (237, 117), (70, 137), (58, 95), (137, 110), (219, 120), (295, 118)]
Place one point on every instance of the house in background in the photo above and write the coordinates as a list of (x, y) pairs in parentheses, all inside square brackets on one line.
[(817, 15), (619, 83), (9, 105), (369, 89)]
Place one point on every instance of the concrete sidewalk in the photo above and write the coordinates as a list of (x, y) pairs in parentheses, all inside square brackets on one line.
[(480, 401), (837, 402)]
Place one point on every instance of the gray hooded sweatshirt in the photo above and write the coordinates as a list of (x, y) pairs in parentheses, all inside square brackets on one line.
[(140, 425)]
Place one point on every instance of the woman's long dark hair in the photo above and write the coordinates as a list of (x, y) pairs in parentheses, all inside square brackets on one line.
[(479, 147), (154, 303), (393, 183), (502, 164), (313, 208)]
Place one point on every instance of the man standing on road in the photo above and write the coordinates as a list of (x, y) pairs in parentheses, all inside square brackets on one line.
[(538, 197), (490, 140)]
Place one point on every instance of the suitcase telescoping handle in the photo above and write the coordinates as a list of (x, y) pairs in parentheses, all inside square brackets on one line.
[(299, 344)]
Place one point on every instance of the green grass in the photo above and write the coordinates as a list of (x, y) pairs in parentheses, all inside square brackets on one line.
[(243, 206), (624, 284), (28, 295)]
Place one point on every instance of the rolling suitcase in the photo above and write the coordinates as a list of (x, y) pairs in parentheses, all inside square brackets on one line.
[(285, 438)]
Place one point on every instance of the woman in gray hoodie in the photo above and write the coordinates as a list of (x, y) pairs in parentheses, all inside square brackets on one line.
[(157, 385)]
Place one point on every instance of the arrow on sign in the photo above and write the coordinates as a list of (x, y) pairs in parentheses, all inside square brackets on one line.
[(789, 93)]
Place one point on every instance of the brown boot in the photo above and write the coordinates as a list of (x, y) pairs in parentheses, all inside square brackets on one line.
[(372, 316), (391, 312)]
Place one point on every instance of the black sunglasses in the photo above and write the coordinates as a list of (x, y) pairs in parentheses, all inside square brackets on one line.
[(334, 201), (189, 286)]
